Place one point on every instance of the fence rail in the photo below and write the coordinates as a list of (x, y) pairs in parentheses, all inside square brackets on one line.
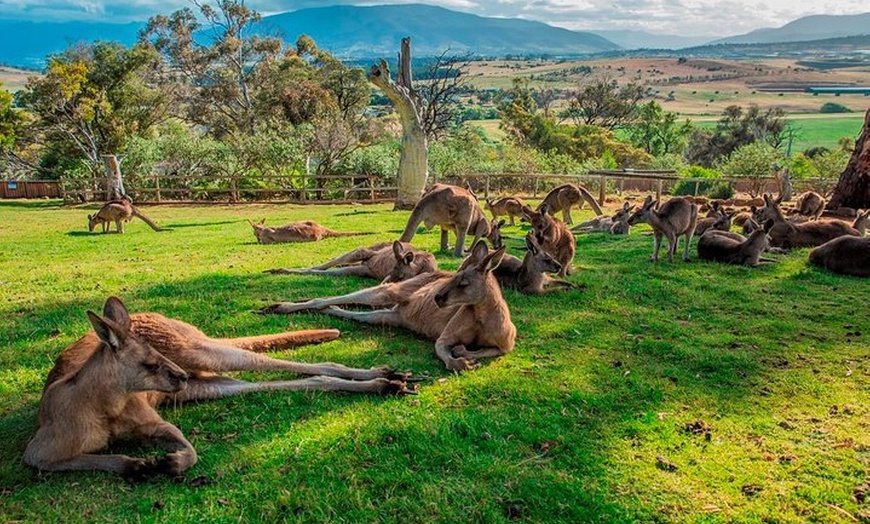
[(164, 188)]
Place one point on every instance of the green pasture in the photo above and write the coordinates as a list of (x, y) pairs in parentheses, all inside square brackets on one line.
[(684, 392), (816, 130)]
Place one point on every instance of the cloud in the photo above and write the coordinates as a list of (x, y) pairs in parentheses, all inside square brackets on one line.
[(713, 18)]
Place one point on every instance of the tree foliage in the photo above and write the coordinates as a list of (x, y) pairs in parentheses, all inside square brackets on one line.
[(737, 128), (657, 131), (605, 103)]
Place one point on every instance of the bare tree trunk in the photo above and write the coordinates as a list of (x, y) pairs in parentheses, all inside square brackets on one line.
[(114, 184), (853, 188), (414, 159)]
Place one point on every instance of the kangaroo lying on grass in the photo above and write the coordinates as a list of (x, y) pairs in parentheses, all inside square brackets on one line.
[(106, 385), (788, 235), (564, 197), (386, 262), (553, 236), (304, 231), (510, 207), (118, 211), (617, 224), (720, 220), (529, 275), (676, 217), (463, 312), (733, 248), (454, 209), (847, 255), (810, 204)]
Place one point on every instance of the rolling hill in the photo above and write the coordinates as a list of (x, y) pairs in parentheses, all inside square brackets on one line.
[(816, 27)]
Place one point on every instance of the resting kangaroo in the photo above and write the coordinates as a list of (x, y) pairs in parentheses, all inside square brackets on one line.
[(615, 225), (553, 236), (464, 312), (529, 275), (454, 209), (810, 204), (304, 231), (847, 255), (808, 234), (118, 211), (732, 248), (387, 262), (510, 207), (720, 220), (106, 385), (564, 197), (676, 217)]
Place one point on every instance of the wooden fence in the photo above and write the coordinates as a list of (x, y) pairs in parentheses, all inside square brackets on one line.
[(30, 189)]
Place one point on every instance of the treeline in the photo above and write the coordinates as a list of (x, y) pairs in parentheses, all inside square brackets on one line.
[(203, 99)]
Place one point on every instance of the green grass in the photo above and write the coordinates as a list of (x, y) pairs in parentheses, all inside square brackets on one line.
[(567, 428), (816, 130)]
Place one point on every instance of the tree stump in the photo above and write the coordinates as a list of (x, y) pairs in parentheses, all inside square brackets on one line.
[(853, 187)]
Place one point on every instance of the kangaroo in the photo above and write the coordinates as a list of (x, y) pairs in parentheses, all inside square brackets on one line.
[(846, 255), (787, 235), (732, 248), (463, 312), (118, 211), (617, 224), (453, 208), (494, 235), (385, 261), (105, 387), (810, 204), (721, 221), (510, 207), (564, 197), (304, 231), (676, 217), (529, 275), (862, 222), (553, 236)]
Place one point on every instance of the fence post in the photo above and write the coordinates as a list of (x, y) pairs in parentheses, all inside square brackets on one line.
[(696, 187), (157, 185), (602, 190), (659, 189), (486, 187)]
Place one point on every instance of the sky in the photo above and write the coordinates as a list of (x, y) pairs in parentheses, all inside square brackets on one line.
[(712, 18)]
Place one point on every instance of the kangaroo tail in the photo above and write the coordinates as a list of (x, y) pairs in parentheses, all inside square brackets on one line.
[(145, 219), (284, 340), (411, 229), (587, 196)]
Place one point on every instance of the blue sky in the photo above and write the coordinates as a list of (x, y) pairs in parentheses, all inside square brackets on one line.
[(686, 17)]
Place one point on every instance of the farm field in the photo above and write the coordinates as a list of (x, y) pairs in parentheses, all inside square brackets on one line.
[(751, 385)]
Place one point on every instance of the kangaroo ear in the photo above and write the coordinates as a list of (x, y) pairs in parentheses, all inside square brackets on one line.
[(116, 311), (492, 260), (408, 258), (108, 332), (544, 209), (626, 206), (532, 244), (501, 223), (478, 252), (779, 200), (528, 212)]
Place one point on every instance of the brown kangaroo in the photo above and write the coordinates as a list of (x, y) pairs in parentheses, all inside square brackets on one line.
[(464, 313), (846, 255), (453, 208), (553, 236), (617, 224), (810, 204), (862, 222), (529, 275), (786, 234), (564, 197), (494, 236), (720, 221), (304, 231), (732, 248), (676, 217), (106, 385), (510, 207), (118, 211), (385, 261)]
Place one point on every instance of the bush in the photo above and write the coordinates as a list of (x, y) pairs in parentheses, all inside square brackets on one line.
[(687, 187), (833, 107), (722, 190)]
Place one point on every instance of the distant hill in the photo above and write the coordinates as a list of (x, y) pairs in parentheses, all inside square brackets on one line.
[(26, 44), (816, 27), (630, 39), (360, 32)]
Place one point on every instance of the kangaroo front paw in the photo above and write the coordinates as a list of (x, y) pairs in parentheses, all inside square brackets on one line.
[(281, 308), (397, 387), (173, 464), (461, 364), (138, 470)]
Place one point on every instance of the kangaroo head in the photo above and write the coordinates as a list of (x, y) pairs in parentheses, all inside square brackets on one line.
[(471, 282), (542, 223), (259, 229), (622, 215), (495, 233), (92, 222), (405, 267), (542, 262), (771, 210), (642, 214), (140, 367)]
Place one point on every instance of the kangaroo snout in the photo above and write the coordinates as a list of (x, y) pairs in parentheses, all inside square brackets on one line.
[(441, 299)]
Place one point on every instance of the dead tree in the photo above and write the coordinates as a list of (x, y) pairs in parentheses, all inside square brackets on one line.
[(413, 160), (853, 188)]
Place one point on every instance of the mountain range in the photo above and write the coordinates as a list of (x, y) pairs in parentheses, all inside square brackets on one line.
[(365, 32)]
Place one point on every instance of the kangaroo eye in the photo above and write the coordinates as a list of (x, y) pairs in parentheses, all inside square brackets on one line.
[(463, 283), (152, 366)]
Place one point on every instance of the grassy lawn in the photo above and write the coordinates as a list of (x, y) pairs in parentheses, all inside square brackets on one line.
[(753, 383), (814, 130)]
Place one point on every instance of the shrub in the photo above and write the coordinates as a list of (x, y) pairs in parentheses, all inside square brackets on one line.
[(722, 190), (833, 107), (688, 187)]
